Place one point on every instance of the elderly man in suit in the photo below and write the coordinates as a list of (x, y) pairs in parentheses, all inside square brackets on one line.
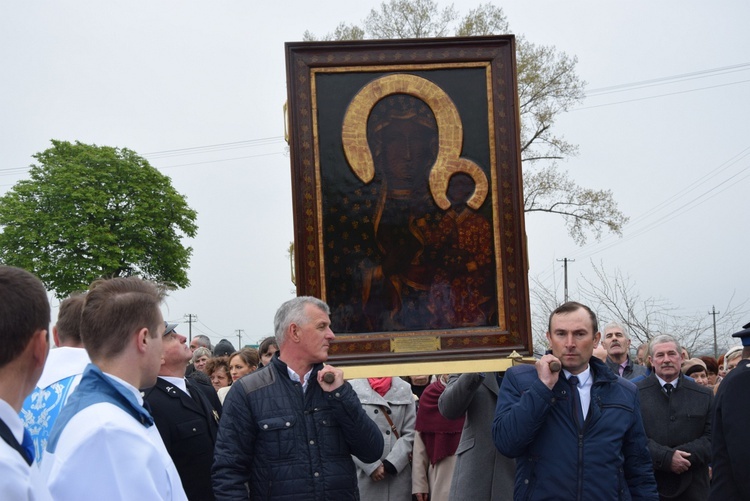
[(677, 418), (481, 472), (186, 420)]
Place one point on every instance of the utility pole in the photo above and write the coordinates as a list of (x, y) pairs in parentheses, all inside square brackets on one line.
[(713, 313), (239, 338), (190, 318), (565, 264)]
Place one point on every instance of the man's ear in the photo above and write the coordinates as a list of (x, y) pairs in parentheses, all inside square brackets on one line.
[(142, 338), (55, 335), (597, 338), (294, 332), (40, 346)]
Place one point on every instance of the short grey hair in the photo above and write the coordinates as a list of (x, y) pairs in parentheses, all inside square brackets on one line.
[(612, 325), (203, 340), (293, 312), (663, 338), (199, 352)]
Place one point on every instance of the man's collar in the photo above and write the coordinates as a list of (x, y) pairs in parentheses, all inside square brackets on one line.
[(178, 382), (662, 382)]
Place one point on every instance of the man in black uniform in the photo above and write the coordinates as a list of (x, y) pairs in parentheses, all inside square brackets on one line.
[(186, 421), (731, 433)]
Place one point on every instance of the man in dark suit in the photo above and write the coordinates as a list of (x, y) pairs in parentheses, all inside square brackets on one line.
[(185, 418), (731, 433), (677, 417)]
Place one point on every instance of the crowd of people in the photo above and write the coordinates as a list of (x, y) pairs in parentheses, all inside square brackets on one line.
[(126, 408)]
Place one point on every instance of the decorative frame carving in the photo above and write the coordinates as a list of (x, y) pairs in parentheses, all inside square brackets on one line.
[(417, 263)]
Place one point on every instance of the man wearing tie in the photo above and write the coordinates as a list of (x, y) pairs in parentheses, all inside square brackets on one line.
[(186, 421), (677, 416), (576, 433), (24, 320)]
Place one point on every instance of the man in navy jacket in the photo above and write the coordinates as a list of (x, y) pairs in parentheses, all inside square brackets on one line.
[(576, 433), (286, 432)]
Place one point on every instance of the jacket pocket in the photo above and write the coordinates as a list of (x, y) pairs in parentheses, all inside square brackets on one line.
[(330, 435), (276, 437), (525, 478), (465, 444), (191, 429), (623, 491)]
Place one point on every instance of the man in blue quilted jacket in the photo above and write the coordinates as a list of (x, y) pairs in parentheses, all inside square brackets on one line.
[(576, 433), (285, 433)]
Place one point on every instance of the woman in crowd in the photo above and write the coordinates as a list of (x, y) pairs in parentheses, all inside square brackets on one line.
[(267, 348), (241, 362), (200, 358), (712, 369), (435, 446), (217, 369), (696, 369), (390, 403)]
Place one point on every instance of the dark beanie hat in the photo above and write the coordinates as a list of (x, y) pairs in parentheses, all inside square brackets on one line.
[(223, 348)]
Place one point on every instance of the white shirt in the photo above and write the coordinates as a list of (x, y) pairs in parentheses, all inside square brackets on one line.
[(104, 453), (295, 377), (179, 382), (585, 382), (63, 362), (18, 480), (662, 382)]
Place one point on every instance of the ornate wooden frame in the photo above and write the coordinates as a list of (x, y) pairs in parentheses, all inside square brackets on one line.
[(469, 85)]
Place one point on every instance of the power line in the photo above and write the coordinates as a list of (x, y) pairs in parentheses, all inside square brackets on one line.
[(221, 160), (669, 79), (646, 220), (658, 96), (192, 150), (211, 148)]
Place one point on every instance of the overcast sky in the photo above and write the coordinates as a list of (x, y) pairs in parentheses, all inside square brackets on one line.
[(198, 89)]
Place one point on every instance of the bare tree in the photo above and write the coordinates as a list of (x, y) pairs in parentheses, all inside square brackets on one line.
[(616, 298), (547, 86), (543, 302)]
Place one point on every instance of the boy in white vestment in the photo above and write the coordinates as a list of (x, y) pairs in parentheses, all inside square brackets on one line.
[(104, 429)]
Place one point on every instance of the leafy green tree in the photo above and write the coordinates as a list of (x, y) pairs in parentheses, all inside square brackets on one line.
[(547, 86), (89, 212)]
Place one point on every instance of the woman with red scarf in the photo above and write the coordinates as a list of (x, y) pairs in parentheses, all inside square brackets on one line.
[(435, 444), (390, 403)]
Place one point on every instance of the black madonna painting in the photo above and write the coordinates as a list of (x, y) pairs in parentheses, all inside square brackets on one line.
[(407, 190)]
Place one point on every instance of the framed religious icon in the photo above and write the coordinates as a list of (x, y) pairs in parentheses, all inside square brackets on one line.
[(408, 203)]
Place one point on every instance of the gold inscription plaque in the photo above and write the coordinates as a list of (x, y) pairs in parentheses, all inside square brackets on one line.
[(415, 344)]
